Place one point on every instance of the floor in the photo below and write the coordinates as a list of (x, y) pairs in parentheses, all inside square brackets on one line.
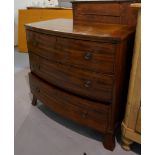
[(39, 131)]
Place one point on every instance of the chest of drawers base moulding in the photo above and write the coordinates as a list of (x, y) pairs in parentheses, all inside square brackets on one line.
[(81, 72)]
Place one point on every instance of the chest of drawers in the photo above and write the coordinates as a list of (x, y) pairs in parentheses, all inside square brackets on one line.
[(80, 71)]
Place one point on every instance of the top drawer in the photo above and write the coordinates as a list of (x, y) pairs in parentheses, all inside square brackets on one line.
[(88, 55)]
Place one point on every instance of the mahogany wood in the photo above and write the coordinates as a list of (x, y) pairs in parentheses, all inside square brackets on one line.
[(109, 141), (88, 84), (73, 52), (105, 33), (81, 71), (98, 12), (89, 113)]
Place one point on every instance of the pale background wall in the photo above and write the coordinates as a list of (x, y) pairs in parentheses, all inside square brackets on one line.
[(22, 4), (18, 4)]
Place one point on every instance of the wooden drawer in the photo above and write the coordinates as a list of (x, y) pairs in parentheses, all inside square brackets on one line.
[(83, 111), (101, 12), (87, 84), (98, 13), (87, 55), (112, 9)]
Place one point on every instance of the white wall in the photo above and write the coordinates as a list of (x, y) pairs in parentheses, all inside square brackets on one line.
[(18, 4)]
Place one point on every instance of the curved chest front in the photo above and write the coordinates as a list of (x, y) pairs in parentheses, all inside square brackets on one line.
[(80, 78)]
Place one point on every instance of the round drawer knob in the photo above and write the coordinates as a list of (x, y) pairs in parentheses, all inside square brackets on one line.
[(87, 83), (88, 56)]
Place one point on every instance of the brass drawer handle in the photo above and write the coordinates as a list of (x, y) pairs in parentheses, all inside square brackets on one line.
[(87, 83), (88, 56), (84, 114)]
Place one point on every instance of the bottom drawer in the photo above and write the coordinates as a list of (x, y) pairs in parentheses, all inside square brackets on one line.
[(83, 111)]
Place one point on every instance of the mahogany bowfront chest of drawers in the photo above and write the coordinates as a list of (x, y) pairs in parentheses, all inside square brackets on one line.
[(79, 71)]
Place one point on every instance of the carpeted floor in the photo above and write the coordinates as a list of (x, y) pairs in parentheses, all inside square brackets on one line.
[(39, 131)]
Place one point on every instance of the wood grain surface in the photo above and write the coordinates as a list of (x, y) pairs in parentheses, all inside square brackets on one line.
[(81, 70)]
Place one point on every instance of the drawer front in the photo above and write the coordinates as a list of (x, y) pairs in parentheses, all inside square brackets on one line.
[(83, 111), (87, 84), (97, 9), (93, 56), (104, 12)]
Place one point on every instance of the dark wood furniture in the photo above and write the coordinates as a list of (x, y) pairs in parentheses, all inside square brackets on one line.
[(80, 71), (98, 12)]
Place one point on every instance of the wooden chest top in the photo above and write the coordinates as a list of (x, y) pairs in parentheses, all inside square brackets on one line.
[(64, 27)]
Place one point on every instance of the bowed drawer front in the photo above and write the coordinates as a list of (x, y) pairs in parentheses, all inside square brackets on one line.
[(80, 110), (81, 72), (87, 55), (75, 80)]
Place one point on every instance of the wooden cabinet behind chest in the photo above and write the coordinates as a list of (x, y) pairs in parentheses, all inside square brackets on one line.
[(112, 12)]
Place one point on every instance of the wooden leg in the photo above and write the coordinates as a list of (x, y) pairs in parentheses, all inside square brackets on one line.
[(126, 143), (109, 142), (34, 101)]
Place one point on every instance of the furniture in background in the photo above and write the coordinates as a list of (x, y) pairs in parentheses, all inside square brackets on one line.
[(113, 12), (34, 14), (131, 125), (81, 69)]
